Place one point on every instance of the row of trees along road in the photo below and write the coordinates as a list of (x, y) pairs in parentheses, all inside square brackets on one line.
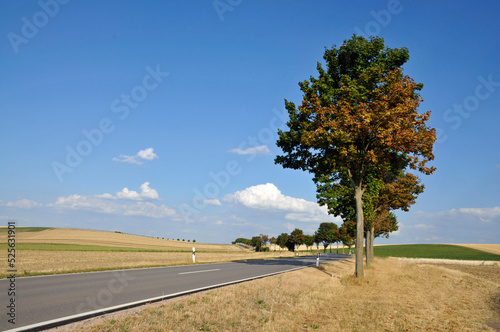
[(327, 233), (358, 132), (296, 238)]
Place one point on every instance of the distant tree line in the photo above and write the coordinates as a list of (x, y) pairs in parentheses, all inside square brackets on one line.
[(327, 234), (172, 239)]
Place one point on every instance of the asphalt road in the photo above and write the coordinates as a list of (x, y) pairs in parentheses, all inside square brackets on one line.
[(50, 300)]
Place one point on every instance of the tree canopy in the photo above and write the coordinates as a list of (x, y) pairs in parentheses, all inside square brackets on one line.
[(327, 233), (358, 121), (296, 238), (281, 240)]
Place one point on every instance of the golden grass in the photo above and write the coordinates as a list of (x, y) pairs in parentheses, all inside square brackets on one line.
[(393, 296), (100, 238), (492, 248)]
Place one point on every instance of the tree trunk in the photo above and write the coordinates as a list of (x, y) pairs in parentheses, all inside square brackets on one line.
[(358, 193), (369, 252), (372, 233)]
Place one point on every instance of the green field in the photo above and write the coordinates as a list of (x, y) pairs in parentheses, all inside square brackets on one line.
[(441, 251), (24, 229), (445, 251)]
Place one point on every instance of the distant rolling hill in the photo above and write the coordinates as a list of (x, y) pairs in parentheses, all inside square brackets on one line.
[(40, 235)]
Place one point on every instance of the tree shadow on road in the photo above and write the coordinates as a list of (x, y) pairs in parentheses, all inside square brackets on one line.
[(296, 261)]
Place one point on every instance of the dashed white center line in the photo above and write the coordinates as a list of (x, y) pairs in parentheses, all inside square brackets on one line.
[(199, 271)]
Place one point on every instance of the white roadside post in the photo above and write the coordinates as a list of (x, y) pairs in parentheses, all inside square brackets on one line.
[(194, 259), (317, 259)]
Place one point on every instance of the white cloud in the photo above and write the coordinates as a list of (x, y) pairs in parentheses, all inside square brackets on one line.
[(237, 218), (219, 222), (254, 150), (148, 209), (311, 216), (147, 154), (21, 204), (214, 202), (119, 204), (269, 197), (107, 206), (290, 227), (105, 196), (78, 202), (146, 193), (422, 226), (484, 214)]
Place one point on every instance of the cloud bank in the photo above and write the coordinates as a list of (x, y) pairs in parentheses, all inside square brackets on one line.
[(119, 204), (268, 197), (116, 207)]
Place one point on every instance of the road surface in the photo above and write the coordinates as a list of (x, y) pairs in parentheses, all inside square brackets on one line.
[(53, 300)]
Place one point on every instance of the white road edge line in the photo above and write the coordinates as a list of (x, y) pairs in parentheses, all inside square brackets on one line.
[(199, 271), (118, 270), (135, 303)]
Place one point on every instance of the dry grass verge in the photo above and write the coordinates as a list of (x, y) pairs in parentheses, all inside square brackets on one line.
[(393, 296)]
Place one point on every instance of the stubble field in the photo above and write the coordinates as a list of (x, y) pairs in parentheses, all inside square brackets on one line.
[(100, 238), (69, 250)]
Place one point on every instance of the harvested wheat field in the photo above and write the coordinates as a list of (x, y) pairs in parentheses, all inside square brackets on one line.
[(82, 259), (100, 238), (393, 296), (493, 248), (36, 262)]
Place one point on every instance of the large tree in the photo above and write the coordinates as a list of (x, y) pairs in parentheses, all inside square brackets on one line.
[(327, 233), (308, 241), (273, 241), (357, 119), (281, 240), (296, 238)]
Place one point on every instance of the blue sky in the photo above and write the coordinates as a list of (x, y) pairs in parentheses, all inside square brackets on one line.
[(159, 118)]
